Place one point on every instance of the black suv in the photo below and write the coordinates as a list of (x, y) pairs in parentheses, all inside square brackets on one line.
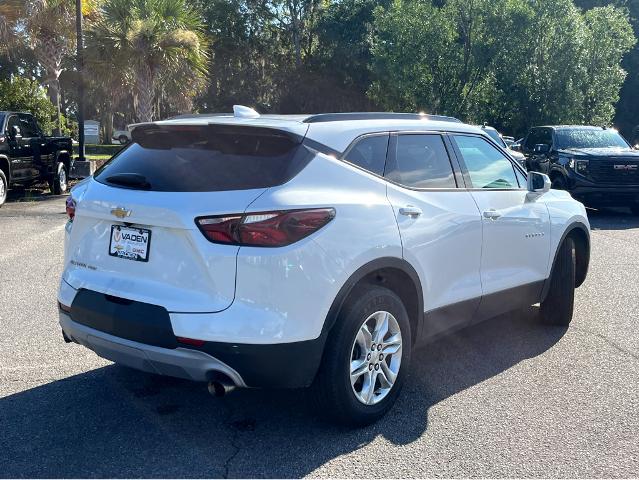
[(27, 156), (595, 164)]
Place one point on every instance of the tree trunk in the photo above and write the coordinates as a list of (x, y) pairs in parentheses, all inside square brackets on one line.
[(144, 84), (108, 126), (54, 95), (49, 52)]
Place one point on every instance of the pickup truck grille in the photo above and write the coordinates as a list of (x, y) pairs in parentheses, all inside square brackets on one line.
[(615, 171)]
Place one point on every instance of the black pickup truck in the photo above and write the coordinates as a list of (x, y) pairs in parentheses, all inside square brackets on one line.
[(27, 156), (595, 164)]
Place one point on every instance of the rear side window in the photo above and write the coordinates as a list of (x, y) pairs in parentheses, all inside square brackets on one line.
[(487, 167), (369, 153), (421, 161), (205, 158)]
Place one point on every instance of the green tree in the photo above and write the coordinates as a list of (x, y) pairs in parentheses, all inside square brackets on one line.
[(24, 95), (513, 63), (608, 37), (154, 38)]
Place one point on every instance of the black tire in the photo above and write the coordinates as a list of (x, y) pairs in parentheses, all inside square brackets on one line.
[(4, 188), (558, 183), (332, 391), (123, 139), (557, 307), (60, 181)]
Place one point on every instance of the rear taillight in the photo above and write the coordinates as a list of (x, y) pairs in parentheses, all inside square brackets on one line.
[(264, 229), (190, 341), (70, 208)]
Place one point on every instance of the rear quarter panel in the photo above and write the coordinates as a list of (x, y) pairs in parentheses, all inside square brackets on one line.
[(299, 283)]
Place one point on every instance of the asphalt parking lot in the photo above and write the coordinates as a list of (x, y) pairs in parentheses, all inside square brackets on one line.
[(509, 397)]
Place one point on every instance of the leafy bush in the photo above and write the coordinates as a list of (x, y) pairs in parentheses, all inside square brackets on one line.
[(24, 95)]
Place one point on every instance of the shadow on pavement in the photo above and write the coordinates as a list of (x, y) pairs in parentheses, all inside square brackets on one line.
[(116, 422), (612, 219)]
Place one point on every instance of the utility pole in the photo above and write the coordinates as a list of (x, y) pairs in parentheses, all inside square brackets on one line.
[(80, 68)]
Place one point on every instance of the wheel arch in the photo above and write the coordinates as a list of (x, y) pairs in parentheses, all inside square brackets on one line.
[(394, 273), (65, 157), (4, 166), (557, 173), (580, 234)]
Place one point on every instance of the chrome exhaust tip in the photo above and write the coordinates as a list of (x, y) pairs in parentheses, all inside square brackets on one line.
[(221, 386)]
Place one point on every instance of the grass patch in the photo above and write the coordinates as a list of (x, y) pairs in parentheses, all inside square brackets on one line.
[(91, 150)]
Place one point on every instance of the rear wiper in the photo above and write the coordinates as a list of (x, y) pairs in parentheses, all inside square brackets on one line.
[(129, 180)]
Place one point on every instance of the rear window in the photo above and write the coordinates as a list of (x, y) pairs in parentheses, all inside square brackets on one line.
[(204, 158)]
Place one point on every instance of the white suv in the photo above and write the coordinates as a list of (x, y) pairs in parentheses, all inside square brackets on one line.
[(294, 251)]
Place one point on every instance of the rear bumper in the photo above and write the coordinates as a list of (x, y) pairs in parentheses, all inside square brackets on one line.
[(178, 362), (141, 336)]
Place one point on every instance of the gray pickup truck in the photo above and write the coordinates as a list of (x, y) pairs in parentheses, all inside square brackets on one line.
[(27, 156)]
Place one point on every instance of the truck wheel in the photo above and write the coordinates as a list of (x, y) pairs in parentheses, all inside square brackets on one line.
[(557, 307), (59, 184), (365, 359), (558, 184), (123, 139), (4, 187)]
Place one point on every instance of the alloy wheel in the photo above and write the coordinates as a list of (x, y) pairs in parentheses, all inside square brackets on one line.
[(376, 357), (62, 178)]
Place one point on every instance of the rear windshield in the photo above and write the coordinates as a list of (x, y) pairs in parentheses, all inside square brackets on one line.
[(205, 158), (589, 138)]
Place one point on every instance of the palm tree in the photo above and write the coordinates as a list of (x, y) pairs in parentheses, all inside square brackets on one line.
[(10, 12), (153, 37), (49, 27)]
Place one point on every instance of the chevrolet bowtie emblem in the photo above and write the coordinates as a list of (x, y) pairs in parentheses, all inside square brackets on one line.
[(121, 212)]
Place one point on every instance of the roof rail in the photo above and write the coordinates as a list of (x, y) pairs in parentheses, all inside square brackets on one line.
[(339, 117)]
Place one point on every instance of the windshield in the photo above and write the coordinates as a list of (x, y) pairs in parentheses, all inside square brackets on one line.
[(590, 138), (494, 134)]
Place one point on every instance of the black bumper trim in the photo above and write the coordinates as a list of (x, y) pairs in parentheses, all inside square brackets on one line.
[(279, 365)]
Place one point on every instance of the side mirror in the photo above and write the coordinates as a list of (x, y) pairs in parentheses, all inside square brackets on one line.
[(538, 183), (541, 148), (14, 133)]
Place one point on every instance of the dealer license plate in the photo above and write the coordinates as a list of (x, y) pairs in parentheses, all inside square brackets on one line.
[(130, 243)]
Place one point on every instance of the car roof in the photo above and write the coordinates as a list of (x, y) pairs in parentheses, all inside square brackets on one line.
[(335, 130), (572, 127)]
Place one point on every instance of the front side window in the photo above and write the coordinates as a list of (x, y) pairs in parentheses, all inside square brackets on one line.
[(369, 153), (421, 161), (27, 127), (487, 167), (538, 136), (13, 122)]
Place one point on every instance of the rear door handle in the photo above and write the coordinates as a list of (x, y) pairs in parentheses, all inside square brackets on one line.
[(410, 211), (492, 214)]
